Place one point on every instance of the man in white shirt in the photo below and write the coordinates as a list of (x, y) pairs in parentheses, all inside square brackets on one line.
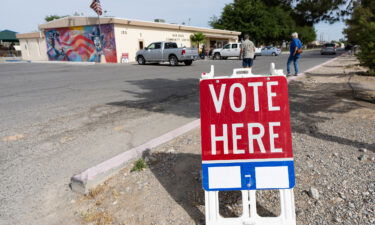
[(247, 52)]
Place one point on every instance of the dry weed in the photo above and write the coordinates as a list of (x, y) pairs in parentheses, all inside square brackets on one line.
[(98, 218), (96, 191)]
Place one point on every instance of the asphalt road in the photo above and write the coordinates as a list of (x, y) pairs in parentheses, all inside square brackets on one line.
[(59, 119)]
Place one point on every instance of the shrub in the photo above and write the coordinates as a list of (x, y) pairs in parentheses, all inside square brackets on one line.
[(361, 31), (139, 165)]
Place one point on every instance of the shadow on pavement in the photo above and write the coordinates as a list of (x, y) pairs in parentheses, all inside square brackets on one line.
[(179, 97)]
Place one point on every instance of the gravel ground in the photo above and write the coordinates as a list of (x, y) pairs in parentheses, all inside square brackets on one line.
[(333, 142)]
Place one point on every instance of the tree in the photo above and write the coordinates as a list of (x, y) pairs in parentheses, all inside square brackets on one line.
[(306, 34), (309, 12), (198, 38), (265, 24), (361, 31), (314, 11), (53, 17)]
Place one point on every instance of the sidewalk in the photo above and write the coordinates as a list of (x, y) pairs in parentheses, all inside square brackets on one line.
[(334, 151)]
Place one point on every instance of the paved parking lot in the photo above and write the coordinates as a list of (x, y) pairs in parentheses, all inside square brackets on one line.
[(59, 119)]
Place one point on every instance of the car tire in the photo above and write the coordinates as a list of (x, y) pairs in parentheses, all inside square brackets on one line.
[(141, 60), (217, 56), (188, 62), (173, 61), (274, 54)]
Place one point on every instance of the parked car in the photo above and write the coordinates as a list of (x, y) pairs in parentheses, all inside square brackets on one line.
[(258, 52), (328, 49), (230, 50), (269, 50), (166, 52)]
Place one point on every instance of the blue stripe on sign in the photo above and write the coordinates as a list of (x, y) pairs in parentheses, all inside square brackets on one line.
[(243, 176)]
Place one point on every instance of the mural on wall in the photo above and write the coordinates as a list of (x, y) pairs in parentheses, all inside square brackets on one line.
[(83, 44)]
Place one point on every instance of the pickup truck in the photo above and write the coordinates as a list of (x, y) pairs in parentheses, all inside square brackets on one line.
[(166, 52), (231, 50)]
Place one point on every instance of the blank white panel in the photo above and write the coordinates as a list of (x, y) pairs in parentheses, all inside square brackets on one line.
[(272, 177), (224, 177)]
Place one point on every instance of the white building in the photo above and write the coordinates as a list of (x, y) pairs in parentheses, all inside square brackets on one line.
[(79, 38)]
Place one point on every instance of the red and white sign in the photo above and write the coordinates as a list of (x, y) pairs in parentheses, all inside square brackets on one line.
[(245, 118)]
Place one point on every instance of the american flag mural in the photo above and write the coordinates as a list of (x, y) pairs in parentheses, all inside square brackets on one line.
[(97, 7), (82, 44)]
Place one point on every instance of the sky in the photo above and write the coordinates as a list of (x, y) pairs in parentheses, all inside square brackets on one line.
[(25, 15)]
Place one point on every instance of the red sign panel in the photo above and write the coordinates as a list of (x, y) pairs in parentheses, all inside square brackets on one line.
[(245, 118)]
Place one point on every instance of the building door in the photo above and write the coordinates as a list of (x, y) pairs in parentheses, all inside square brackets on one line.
[(140, 45)]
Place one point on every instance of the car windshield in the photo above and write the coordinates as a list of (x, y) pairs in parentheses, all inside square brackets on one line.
[(227, 46), (329, 45)]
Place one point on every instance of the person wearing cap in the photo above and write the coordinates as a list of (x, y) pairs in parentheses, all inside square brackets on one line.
[(295, 54)]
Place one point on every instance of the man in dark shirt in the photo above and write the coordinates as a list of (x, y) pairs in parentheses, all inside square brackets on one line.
[(294, 56)]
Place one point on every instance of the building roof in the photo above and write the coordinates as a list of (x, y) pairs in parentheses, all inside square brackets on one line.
[(8, 36), (30, 35), (86, 21)]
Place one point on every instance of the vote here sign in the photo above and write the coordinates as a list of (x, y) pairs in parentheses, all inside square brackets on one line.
[(246, 134)]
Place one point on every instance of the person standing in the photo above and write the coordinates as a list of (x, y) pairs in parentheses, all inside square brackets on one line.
[(203, 54), (247, 52), (295, 54)]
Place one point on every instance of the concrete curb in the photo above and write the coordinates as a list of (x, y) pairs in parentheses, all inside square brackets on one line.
[(93, 176), (64, 62)]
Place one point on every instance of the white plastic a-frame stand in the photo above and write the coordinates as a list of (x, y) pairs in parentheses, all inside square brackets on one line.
[(249, 209), (249, 216)]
